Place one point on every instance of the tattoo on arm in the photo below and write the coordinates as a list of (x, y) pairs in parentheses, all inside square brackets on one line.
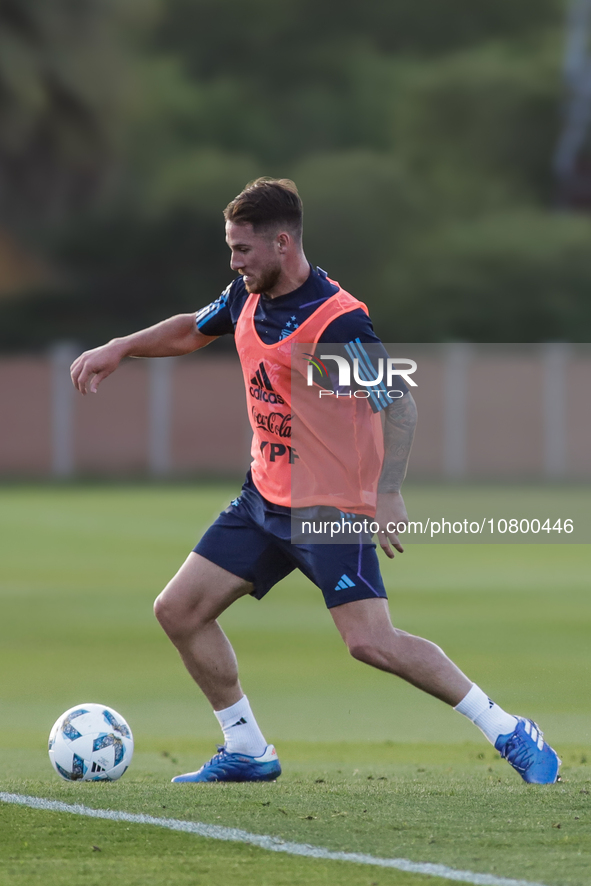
[(399, 429)]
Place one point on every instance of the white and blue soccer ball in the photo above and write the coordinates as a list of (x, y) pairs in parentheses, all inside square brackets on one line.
[(90, 742)]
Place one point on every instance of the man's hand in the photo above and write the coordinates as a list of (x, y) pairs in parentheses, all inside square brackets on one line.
[(170, 338), (91, 367), (390, 509)]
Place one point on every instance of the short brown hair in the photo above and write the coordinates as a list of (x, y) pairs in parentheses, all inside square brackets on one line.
[(268, 203)]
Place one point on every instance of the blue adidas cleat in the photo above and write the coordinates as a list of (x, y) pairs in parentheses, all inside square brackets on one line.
[(528, 753), (236, 767)]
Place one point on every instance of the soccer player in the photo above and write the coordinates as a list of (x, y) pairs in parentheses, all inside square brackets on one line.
[(278, 300)]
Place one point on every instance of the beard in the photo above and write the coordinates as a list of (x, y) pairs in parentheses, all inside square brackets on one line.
[(266, 280)]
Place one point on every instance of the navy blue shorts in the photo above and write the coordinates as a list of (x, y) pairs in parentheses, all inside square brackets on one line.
[(252, 539)]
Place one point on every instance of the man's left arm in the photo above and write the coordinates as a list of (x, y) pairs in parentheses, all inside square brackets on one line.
[(399, 427)]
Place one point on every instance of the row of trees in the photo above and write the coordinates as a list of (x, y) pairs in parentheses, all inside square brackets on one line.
[(420, 136)]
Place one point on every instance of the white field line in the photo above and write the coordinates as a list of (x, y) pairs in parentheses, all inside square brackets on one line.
[(272, 844)]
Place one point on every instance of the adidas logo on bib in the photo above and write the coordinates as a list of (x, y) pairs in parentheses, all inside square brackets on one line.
[(261, 387)]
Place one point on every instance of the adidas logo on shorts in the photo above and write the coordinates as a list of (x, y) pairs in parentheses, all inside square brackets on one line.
[(344, 582)]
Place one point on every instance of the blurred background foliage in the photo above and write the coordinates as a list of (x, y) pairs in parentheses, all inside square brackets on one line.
[(420, 136)]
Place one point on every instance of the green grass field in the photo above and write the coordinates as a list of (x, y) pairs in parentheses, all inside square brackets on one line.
[(370, 764)]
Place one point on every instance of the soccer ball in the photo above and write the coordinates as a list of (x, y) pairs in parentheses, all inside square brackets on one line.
[(90, 742)]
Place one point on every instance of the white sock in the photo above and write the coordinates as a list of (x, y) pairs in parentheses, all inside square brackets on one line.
[(241, 732), (484, 713)]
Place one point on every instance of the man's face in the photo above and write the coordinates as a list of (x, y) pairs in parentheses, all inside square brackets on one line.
[(255, 256)]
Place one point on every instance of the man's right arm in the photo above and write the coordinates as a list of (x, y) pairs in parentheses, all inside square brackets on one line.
[(170, 338)]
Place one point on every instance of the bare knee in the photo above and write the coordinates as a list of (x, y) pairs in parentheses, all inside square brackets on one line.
[(373, 654), (359, 649), (196, 596), (184, 609), (161, 608), (165, 613), (382, 652), (176, 616)]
